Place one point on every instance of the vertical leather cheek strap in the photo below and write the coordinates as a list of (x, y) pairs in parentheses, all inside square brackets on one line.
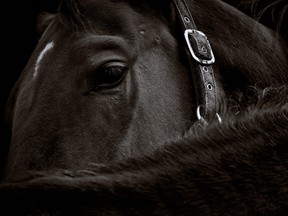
[(201, 61)]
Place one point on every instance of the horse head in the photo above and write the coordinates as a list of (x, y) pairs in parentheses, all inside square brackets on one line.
[(105, 82)]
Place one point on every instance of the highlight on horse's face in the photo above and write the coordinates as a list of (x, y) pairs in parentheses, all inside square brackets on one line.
[(108, 90)]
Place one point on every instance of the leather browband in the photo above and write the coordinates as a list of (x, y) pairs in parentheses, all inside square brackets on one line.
[(203, 58)]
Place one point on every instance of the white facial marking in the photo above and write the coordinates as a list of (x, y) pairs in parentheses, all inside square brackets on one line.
[(48, 46)]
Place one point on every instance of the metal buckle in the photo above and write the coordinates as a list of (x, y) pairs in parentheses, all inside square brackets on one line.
[(201, 61)]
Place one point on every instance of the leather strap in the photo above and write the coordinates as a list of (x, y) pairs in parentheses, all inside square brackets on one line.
[(203, 58)]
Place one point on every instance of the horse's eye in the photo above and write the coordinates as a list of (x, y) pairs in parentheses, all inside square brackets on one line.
[(107, 76)]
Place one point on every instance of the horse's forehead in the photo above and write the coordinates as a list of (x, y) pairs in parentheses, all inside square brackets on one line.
[(102, 18), (119, 15), (108, 11)]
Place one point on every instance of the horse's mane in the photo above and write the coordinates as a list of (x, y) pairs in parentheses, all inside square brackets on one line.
[(217, 170), (273, 13), (71, 10)]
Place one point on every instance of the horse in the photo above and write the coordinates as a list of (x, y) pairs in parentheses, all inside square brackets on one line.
[(108, 119)]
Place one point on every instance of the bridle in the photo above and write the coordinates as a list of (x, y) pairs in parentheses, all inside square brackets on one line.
[(203, 59)]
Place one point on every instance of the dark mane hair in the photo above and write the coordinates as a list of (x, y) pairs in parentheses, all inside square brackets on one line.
[(272, 13), (71, 12)]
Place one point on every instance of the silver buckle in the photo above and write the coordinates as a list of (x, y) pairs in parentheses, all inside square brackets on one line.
[(201, 61)]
